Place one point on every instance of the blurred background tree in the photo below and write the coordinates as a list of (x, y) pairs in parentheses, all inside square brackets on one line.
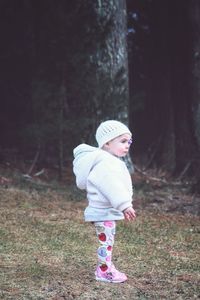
[(164, 102)]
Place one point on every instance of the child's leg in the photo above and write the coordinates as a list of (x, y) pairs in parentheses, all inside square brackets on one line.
[(105, 269), (106, 235)]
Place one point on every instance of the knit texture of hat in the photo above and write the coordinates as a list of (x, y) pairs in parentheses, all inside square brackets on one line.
[(109, 130)]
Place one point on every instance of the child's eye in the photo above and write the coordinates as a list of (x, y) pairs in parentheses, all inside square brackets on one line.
[(127, 141)]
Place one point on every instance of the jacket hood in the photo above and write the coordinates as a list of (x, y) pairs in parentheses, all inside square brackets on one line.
[(85, 157)]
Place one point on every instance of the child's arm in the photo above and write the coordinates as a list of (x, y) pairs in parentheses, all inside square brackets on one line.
[(129, 214)]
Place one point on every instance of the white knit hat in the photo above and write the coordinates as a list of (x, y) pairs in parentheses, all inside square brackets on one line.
[(109, 130)]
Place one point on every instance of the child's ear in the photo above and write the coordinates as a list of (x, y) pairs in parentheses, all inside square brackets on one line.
[(106, 146)]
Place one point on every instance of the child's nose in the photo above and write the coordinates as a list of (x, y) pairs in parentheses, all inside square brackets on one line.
[(127, 145)]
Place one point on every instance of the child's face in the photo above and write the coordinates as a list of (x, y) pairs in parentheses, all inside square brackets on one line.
[(119, 146)]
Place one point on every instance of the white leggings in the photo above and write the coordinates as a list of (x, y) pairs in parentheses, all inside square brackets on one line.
[(106, 235)]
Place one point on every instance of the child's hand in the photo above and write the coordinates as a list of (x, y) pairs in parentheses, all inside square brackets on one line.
[(129, 214)]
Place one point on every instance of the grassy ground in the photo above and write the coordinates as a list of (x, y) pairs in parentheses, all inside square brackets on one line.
[(48, 252)]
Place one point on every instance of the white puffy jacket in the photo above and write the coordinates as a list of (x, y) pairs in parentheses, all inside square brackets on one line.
[(105, 178)]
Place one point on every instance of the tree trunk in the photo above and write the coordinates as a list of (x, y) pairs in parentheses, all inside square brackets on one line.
[(195, 83), (102, 84), (111, 58), (101, 90), (168, 108), (159, 108), (112, 61)]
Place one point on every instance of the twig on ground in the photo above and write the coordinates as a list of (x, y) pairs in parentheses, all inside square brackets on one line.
[(34, 161), (148, 176), (152, 178), (39, 173), (188, 165)]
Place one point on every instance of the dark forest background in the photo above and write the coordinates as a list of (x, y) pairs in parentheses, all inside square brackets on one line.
[(67, 65)]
